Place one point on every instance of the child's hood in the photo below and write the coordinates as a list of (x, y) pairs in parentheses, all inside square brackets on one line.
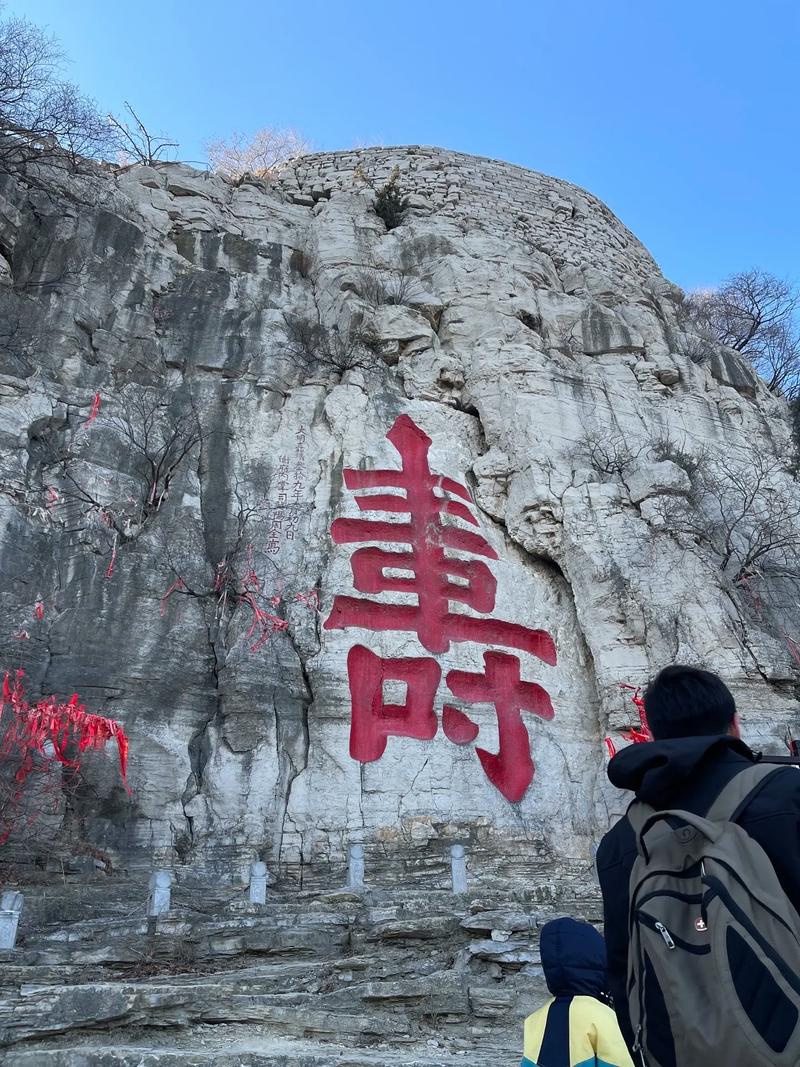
[(573, 958)]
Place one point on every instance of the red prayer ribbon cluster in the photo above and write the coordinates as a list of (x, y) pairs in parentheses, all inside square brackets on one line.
[(50, 728), (636, 734)]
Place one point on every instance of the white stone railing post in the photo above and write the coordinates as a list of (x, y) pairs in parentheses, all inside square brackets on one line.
[(258, 883), (355, 869), (158, 902), (10, 911), (458, 868)]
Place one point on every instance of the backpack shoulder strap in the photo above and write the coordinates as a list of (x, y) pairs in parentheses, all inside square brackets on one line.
[(739, 792), (638, 814)]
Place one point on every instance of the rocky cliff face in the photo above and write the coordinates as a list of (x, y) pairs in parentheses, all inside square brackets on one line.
[(353, 528)]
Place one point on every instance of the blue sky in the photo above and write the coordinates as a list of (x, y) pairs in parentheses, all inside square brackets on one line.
[(682, 116)]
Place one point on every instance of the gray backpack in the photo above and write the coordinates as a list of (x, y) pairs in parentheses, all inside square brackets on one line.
[(714, 944)]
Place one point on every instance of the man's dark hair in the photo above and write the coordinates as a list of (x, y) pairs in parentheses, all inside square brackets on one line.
[(688, 702)]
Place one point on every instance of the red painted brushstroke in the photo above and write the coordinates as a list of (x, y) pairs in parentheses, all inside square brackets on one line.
[(374, 721), (511, 769), (457, 726)]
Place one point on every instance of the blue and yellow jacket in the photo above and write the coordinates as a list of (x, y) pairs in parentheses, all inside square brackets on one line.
[(574, 1028)]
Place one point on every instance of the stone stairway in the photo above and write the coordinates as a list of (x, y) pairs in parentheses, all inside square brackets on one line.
[(402, 976)]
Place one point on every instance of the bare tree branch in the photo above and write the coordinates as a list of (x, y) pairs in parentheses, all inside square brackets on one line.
[(135, 143), (260, 155), (43, 117), (755, 313)]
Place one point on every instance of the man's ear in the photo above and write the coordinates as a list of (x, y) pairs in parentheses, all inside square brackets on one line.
[(735, 728)]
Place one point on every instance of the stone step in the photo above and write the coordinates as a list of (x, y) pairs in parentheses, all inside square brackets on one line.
[(278, 1055), (332, 967), (363, 1009)]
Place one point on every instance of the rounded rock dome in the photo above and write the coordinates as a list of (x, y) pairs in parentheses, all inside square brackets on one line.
[(559, 219)]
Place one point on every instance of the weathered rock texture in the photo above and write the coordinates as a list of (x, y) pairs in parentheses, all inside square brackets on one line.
[(311, 979), (283, 331)]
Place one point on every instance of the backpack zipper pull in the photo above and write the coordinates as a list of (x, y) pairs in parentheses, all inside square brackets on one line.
[(665, 934)]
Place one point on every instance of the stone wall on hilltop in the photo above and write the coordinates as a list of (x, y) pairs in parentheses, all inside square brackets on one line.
[(197, 542)]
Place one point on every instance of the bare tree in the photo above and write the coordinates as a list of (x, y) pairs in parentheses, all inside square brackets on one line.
[(41, 115), (755, 313), (260, 154), (156, 439), (245, 582), (313, 347), (135, 143), (745, 510), (609, 454), (396, 286)]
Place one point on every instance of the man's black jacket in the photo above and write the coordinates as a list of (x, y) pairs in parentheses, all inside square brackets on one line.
[(689, 773)]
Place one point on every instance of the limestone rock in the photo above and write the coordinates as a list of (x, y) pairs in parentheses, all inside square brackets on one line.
[(657, 478), (603, 331), (667, 374), (235, 615)]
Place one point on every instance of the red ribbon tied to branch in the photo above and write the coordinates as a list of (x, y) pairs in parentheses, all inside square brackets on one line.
[(48, 728), (93, 410), (636, 734)]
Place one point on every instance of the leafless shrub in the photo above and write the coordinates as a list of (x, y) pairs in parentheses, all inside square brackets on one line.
[(690, 459), (259, 155), (394, 287), (159, 437), (156, 438), (312, 347), (745, 510), (566, 337), (755, 313), (135, 143), (609, 454), (698, 347)]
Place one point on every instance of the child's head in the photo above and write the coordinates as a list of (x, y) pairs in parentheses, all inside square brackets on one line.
[(573, 958)]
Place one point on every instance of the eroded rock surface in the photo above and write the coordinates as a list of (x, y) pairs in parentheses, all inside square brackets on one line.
[(278, 332)]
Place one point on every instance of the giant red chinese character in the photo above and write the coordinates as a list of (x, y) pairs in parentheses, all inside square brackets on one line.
[(511, 768), (373, 719), (433, 577), (430, 508)]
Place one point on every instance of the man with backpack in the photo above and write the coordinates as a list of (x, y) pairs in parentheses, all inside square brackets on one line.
[(701, 888)]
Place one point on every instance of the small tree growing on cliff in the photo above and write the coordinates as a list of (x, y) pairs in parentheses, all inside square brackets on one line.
[(157, 438), (755, 313), (245, 581), (313, 348), (135, 143), (261, 154), (391, 203)]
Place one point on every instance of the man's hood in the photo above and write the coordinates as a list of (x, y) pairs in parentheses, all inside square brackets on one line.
[(656, 770), (573, 958)]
